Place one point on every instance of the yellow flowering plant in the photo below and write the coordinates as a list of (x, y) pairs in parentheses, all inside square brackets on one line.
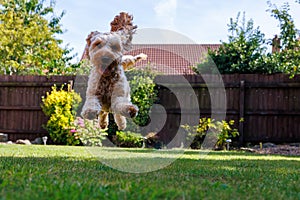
[(222, 130), (61, 106)]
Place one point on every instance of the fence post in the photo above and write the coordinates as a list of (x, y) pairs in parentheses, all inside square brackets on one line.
[(242, 112), (71, 83)]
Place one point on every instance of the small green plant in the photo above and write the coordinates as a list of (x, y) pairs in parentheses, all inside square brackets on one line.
[(128, 139), (89, 132), (60, 106), (196, 134), (225, 131), (222, 129)]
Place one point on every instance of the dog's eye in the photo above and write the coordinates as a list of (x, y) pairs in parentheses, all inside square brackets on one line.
[(100, 45)]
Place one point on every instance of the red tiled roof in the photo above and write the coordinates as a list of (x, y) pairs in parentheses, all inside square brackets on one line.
[(171, 59)]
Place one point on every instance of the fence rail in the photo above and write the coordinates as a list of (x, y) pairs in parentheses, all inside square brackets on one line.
[(268, 104)]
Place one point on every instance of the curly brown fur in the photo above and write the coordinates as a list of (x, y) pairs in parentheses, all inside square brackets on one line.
[(105, 89)]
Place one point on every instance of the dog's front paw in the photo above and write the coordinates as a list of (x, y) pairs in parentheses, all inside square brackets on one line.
[(141, 56), (90, 114)]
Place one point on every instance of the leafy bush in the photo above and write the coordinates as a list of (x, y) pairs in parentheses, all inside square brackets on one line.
[(143, 93), (222, 129), (89, 132), (60, 106), (128, 139)]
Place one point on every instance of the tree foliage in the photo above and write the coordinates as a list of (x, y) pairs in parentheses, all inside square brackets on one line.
[(288, 58), (27, 38), (240, 54), (245, 51)]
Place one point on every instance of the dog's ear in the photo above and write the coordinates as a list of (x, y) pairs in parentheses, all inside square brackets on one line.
[(89, 37), (86, 54), (122, 24)]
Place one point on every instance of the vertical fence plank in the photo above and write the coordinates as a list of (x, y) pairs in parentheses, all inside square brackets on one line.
[(242, 111)]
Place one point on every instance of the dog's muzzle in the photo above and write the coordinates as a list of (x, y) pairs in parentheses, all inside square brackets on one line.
[(108, 66)]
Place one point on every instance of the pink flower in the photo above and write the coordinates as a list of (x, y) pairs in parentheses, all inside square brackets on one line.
[(80, 122), (73, 131), (45, 71)]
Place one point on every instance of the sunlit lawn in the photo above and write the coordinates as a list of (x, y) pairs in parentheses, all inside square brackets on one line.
[(59, 172)]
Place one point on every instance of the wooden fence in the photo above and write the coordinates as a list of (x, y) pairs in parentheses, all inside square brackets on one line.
[(268, 104), (266, 108), (21, 116)]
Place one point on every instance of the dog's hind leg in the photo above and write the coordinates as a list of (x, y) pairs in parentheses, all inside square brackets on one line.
[(103, 119), (120, 121), (124, 107), (120, 99)]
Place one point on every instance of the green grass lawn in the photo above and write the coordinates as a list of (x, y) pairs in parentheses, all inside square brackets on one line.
[(59, 172)]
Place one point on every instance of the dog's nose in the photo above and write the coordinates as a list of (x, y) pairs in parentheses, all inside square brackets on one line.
[(106, 60)]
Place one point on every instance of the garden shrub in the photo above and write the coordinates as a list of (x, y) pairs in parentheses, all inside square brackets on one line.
[(222, 129), (143, 95), (61, 106), (89, 132), (128, 139)]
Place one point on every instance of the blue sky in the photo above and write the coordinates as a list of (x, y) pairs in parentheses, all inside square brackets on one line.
[(202, 21)]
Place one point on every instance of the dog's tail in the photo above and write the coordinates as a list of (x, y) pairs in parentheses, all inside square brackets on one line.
[(124, 23)]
